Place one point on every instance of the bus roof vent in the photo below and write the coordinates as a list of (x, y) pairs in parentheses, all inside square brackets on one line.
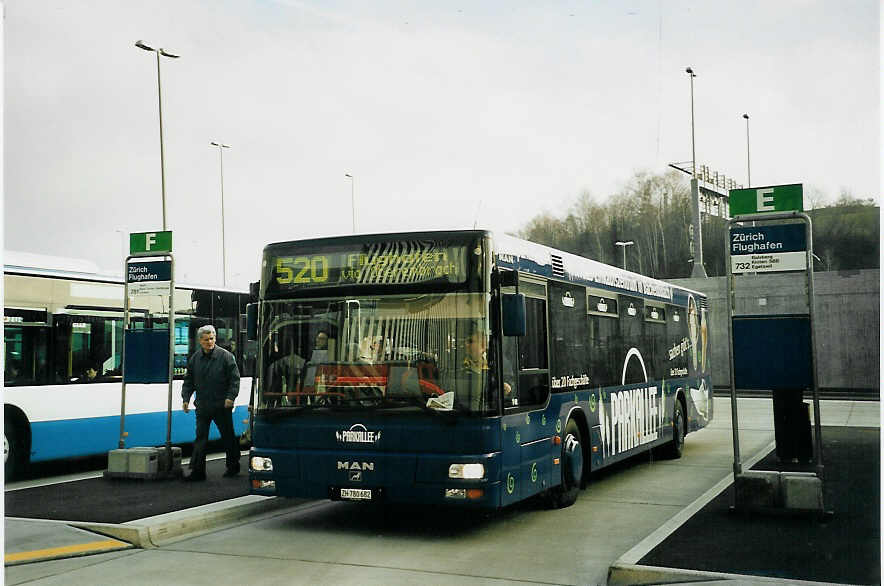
[(558, 267)]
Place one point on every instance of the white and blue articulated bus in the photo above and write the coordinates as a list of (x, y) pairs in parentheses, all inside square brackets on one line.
[(63, 343), (465, 368)]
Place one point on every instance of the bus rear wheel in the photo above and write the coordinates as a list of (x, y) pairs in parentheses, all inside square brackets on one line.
[(674, 449), (566, 493)]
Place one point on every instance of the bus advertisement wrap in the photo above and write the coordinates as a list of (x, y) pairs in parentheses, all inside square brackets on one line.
[(387, 371)]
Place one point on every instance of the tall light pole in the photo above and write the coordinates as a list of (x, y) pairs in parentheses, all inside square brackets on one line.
[(748, 166), (221, 147), (624, 244), (698, 270), (352, 198), (164, 53)]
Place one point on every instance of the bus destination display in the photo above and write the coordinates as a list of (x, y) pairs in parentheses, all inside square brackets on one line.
[(388, 263)]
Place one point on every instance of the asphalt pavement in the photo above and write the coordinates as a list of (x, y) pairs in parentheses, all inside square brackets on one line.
[(120, 500), (702, 541), (842, 547)]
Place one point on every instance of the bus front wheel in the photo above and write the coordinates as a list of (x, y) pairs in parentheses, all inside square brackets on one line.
[(566, 493)]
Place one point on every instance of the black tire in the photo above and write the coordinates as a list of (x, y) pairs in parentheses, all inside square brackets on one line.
[(13, 449), (674, 448), (566, 493)]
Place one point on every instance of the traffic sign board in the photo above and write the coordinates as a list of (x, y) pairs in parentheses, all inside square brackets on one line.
[(759, 200), (149, 278), (761, 249), (157, 270), (158, 242)]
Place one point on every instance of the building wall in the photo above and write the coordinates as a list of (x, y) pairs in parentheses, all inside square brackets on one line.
[(847, 320)]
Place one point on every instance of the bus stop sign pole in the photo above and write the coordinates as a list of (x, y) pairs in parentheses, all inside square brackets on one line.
[(144, 361), (761, 489)]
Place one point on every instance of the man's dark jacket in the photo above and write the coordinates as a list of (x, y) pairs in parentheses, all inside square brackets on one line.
[(214, 377)]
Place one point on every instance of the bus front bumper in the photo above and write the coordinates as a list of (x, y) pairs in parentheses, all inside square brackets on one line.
[(377, 477)]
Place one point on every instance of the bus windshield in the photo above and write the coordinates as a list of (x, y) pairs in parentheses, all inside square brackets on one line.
[(385, 353)]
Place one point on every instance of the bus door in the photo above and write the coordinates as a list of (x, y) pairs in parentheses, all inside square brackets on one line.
[(526, 428)]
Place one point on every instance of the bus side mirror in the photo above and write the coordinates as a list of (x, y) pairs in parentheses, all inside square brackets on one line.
[(252, 321), (514, 314)]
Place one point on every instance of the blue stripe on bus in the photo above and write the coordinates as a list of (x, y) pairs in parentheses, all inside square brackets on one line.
[(71, 438)]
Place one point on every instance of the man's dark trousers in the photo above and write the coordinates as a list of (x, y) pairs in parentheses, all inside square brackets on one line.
[(223, 419)]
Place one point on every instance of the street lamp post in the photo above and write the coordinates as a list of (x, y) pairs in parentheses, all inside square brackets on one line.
[(352, 197), (221, 147), (624, 244), (164, 53), (748, 166), (698, 270)]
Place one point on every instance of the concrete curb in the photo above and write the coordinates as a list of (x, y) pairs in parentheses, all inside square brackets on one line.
[(635, 575), (150, 532)]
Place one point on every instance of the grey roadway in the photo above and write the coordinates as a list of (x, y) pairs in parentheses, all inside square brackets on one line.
[(621, 514)]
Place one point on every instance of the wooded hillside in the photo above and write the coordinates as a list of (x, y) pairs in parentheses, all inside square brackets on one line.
[(654, 212)]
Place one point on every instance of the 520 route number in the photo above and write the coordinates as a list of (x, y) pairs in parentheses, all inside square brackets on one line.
[(302, 269)]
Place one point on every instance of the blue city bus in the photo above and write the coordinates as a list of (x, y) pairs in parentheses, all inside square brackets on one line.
[(464, 368)]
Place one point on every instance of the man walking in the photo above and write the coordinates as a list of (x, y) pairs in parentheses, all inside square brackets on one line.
[(213, 375)]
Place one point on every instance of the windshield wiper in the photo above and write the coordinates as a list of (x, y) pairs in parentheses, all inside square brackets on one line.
[(284, 411)]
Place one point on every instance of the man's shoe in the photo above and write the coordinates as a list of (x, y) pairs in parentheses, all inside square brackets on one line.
[(231, 473), (195, 478)]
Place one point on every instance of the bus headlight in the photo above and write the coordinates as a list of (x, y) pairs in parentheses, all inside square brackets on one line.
[(468, 471), (260, 464)]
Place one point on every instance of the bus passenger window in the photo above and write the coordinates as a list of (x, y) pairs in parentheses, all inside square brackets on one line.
[(568, 334), (532, 346), (604, 340), (25, 359), (533, 384), (88, 348)]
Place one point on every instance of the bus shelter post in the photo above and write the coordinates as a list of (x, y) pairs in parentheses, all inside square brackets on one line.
[(171, 357), (122, 442), (818, 439), (731, 300)]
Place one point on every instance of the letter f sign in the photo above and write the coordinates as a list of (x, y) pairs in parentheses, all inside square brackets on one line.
[(149, 240)]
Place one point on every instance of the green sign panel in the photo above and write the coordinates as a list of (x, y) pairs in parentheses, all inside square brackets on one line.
[(158, 242), (760, 200)]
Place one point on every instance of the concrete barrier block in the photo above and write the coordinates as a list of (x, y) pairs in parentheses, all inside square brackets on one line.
[(164, 464), (757, 488), (802, 491), (143, 461), (118, 461)]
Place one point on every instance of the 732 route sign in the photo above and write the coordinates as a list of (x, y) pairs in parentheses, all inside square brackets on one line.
[(764, 249)]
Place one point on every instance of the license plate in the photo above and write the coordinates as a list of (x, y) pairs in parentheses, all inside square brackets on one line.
[(356, 494)]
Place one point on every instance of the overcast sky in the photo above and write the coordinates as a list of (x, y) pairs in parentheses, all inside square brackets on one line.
[(448, 114)]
